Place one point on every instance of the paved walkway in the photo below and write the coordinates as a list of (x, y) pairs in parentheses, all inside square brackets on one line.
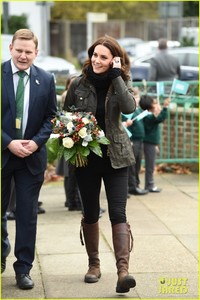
[(165, 257)]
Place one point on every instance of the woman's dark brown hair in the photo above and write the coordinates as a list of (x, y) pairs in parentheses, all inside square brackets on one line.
[(115, 49)]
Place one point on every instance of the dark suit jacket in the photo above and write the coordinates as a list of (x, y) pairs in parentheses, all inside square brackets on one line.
[(42, 108), (164, 67)]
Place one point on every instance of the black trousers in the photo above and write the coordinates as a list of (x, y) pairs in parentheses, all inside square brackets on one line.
[(89, 180), (150, 159), (134, 170)]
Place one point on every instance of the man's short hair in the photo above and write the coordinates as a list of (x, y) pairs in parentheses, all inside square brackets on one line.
[(162, 44), (25, 34)]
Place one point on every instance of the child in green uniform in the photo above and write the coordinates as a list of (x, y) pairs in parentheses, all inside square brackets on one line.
[(152, 136), (136, 128)]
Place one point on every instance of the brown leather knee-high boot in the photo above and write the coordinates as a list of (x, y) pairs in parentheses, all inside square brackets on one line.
[(121, 234), (91, 238)]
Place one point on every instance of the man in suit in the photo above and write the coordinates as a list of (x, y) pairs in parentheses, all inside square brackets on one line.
[(24, 158), (164, 66)]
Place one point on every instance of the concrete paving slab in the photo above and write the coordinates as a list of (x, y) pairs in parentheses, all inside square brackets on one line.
[(190, 241), (73, 286), (165, 229), (149, 286), (161, 254)]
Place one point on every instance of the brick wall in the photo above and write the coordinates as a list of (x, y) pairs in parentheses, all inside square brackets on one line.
[(180, 134)]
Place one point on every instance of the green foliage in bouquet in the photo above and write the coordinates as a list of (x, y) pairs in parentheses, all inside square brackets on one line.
[(74, 135)]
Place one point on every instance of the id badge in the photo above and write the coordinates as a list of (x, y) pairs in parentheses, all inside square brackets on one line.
[(18, 123)]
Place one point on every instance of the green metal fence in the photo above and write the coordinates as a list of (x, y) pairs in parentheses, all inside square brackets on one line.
[(180, 131)]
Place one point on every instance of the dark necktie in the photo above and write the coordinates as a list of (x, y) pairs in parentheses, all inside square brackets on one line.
[(20, 104)]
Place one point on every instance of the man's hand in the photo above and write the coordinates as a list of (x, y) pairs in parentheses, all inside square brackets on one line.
[(18, 148), (22, 148), (31, 146)]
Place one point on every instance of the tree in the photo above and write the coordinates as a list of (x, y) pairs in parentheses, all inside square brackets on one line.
[(190, 8), (126, 10), (15, 22)]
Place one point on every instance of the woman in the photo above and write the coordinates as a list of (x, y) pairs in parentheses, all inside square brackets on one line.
[(105, 89)]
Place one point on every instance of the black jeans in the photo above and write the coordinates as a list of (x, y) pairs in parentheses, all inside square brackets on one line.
[(89, 180)]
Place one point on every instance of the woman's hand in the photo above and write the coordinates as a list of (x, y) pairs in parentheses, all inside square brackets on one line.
[(116, 62)]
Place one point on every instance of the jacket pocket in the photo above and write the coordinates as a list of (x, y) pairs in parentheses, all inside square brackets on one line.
[(82, 97), (120, 146)]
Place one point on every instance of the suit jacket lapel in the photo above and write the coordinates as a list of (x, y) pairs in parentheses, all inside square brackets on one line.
[(34, 87), (10, 87)]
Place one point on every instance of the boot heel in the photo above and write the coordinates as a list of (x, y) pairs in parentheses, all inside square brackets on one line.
[(124, 285), (92, 278)]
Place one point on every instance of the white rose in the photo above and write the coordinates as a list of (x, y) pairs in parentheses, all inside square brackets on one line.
[(101, 134), (68, 142), (70, 125), (87, 139), (84, 143), (85, 121), (68, 115), (57, 123), (82, 132)]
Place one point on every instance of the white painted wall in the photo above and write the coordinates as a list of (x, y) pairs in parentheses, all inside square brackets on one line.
[(35, 18)]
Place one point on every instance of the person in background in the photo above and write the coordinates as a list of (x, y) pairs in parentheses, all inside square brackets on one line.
[(72, 195), (65, 169), (10, 214), (152, 137), (28, 106), (164, 66), (136, 128), (104, 88)]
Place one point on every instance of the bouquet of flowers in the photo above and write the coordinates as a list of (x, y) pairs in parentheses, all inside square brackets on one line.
[(74, 135)]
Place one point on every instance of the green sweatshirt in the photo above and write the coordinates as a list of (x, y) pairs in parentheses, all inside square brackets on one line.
[(152, 128), (137, 128)]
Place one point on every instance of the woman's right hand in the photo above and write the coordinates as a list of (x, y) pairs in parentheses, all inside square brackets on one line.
[(116, 62)]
